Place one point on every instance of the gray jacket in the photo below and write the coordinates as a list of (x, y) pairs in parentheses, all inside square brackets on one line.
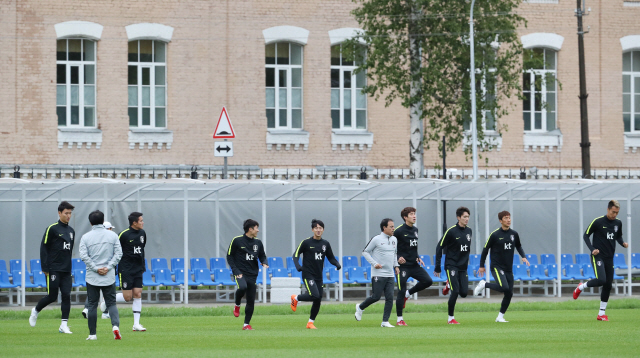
[(100, 248), (383, 250)]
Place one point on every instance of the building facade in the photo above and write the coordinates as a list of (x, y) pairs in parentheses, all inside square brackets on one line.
[(144, 82)]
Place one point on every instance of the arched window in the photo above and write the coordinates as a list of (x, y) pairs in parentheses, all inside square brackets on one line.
[(348, 102), (540, 91), (147, 82), (76, 82), (283, 66)]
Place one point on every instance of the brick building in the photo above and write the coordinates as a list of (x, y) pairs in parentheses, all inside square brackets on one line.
[(143, 83)]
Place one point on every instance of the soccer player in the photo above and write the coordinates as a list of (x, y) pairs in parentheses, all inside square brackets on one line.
[(502, 243), (606, 230), (242, 256), (410, 262), (55, 259), (382, 254), (457, 241), (100, 250), (314, 250), (133, 240), (103, 307)]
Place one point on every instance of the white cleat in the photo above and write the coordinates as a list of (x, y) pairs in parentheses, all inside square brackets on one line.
[(103, 306), (92, 338), (85, 312), (358, 312), (501, 320), (105, 316), (64, 330), (34, 317), (138, 328), (387, 325), (478, 290)]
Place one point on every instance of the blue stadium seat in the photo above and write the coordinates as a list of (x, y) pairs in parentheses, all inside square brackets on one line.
[(163, 277), (147, 280), (552, 271), (17, 279), (177, 263), (180, 278), (296, 273), (587, 271), (356, 275), (548, 259), (39, 279), (474, 260), (198, 263), (333, 275), (573, 272), (537, 273), (350, 261), (3, 266), (78, 264), (582, 259), (635, 261), (429, 270), (275, 262), (16, 265), (260, 281), (566, 259), (516, 260), (222, 276), (279, 272), (426, 259), (203, 277), (159, 264), (79, 278), (620, 262), (117, 280), (617, 277), (364, 262), (367, 271), (4, 280), (217, 263), (471, 273), (290, 264), (520, 273), (532, 258), (34, 266)]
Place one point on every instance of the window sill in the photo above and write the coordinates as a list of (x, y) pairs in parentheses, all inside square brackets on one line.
[(351, 138), (492, 139), (631, 141), (150, 136), (287, 138), (79, 136), (542, 140)]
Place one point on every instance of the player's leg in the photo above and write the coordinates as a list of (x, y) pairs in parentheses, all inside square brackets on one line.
[(388, 298), (606, 289), (310, 290), (454, 282), (241, 289), (377, 290), (499, 281), (126, 285), (315, 307), (251, 299), (109, 294), (599, 281), (137, 303), (424, 280), (508, 294), (402, 290), (53, 284), (93, 297), (65, 295)]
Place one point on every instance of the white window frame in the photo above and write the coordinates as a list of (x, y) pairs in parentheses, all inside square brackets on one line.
[(633, 92), (152, 90), (288, 68), (81, 85), (543, 94), (354, 91)]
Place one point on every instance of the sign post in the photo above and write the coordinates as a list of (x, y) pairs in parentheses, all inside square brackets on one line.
[(224, 130)]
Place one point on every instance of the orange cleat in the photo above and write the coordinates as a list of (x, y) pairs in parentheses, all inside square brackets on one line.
[(236, 311), (401, 323), (294, 304), (247, 328), (310, 325), (604, 317)]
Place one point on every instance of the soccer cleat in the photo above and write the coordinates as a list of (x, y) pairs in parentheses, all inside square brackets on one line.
[(358, 312), (116, 333), (105, 316), (446, 289), (85, 311), (34, 317), (604, 317), (404, 304), (310, 325), (294, 303), (64, 330), (103, 306), (401, 323), (501, 320), (247, 328), (577, 292), (92, 338), (478, 290), (236, 311), (387, 325), (138, 327), (453, 321)]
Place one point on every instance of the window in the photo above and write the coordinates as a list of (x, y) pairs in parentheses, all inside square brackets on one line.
[(147, 84), (631, 91), (488, 119), (76, 83), (540, 91), (348, 102), (283, 64)]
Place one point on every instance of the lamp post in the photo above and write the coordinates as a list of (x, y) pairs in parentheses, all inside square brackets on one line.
[(474, 125)]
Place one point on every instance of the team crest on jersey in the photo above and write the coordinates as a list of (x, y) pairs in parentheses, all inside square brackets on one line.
[(142, 239), (468, 237), (53, 277), (124, 285), (453, 273), (324, 248), (404, 273), (512, 238), (310, 282), (615, 228), (255, 248)]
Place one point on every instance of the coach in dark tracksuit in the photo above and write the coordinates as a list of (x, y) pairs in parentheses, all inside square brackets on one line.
[(313, 250), (242, 256), (55, 259)]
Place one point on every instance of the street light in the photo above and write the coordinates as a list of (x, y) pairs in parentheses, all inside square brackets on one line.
[(474, 126)]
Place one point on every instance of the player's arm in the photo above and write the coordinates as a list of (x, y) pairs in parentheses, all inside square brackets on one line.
[(332, 258), (262, 255), (44, 249), (302, 247), (442, 243), (230, 260), (485, 251), (521, 250), (619, 237), (587, 234), (366, 253), (117, 255)]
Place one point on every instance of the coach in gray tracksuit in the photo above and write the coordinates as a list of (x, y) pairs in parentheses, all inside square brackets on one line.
[(101, 251), (381, 252)]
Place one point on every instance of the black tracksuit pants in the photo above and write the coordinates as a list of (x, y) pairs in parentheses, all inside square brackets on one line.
[(314, 292), (418, 273), (246, 286), (604, 270), (57, 281), (381, 285), (504, 284), (459, 284)]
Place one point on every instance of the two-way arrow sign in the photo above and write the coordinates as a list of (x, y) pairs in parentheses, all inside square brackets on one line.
[(223, 149)]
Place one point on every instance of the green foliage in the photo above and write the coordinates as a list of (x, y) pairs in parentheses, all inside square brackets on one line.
[(440, 29)]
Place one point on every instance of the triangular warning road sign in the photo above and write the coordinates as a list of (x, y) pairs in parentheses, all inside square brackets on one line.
[(224, 129)]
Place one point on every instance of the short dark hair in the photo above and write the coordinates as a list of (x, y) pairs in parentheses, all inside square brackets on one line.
[(384, 223), (406, 211), (316, 222), (248, 224), (134, 217), (461, 210), (613, 203), (65, 205), (503, 214), (96, 217)]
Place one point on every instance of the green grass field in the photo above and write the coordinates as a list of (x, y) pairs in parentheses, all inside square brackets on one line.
[(535, 329)]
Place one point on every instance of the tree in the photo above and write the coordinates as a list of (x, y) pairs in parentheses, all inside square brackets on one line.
[(418, 53)]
